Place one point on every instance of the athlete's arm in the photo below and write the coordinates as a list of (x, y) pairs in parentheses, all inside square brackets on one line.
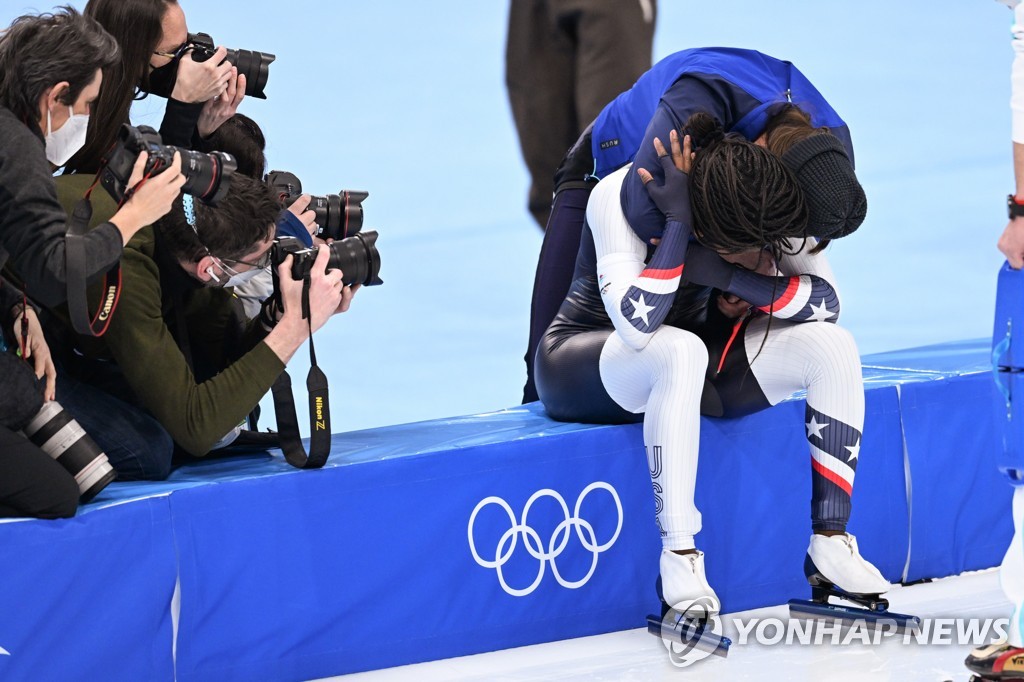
[(639, 297), (803, 291)]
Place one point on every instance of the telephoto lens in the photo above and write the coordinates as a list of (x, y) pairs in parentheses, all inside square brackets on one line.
[(337, 215), (57, 434), (207, 176), (357, 257), (251, 63)]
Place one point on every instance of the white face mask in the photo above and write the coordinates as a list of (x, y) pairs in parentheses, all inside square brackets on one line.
[(64, 143)]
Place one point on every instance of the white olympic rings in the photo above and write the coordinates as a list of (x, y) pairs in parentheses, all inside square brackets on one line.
[(532, 541)]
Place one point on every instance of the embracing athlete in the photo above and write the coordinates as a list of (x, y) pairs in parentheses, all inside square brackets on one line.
[(727, 326)]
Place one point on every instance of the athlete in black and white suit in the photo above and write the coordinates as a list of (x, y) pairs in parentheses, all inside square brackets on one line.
[(662, 335)]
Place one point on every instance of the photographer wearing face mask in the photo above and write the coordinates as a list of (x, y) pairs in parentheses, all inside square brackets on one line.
[(178, 346), (50, 72)]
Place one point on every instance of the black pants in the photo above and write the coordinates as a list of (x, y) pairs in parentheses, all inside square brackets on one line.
[(564, 62), (31, 482)]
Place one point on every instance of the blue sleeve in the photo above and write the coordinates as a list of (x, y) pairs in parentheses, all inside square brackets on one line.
[(290, 226), (712, 95)]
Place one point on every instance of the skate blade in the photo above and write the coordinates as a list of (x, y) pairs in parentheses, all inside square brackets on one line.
[(805, 608), (679, 630)]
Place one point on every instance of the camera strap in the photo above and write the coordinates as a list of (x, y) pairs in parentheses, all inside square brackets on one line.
[(319, 407), (77, 282)]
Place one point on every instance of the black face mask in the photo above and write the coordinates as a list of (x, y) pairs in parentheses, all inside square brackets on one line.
[(161, 80)]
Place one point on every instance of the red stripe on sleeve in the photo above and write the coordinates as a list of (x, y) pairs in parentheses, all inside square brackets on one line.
[(832, 476), (662, 274), (787, 296)]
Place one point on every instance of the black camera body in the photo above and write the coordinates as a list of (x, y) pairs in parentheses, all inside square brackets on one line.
[(253, 64), (357, 257), (337, 215), (207, 176)]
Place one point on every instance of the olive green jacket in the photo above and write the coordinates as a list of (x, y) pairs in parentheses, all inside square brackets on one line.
[(232, 367)]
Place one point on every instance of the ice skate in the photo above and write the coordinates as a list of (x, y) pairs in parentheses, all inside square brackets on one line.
[(1002, 662), (689, 606), (835, 568)]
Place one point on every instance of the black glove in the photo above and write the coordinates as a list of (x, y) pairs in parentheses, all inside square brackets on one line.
[(672, 197)]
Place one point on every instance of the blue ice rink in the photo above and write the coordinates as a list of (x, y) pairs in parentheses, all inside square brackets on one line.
[(407, 100)]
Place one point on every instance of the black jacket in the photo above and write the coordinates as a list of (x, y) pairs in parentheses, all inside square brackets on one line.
[(32, 221)]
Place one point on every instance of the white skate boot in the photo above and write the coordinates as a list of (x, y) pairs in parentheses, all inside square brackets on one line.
[(835, 568), (684, 585), (835, 562), (689, 625)]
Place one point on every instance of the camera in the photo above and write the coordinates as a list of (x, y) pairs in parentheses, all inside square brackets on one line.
[(57, 434), (357, 257), (207, 176), (254, 65), (337, 215)]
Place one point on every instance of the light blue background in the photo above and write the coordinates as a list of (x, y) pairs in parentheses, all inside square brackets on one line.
[(407, 100)]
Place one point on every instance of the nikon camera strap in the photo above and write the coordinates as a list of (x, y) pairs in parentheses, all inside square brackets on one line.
[(319, 407), (75, 274)]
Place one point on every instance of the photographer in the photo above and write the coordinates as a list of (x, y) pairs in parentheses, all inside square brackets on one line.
[(154, 42), (31, 482), (50, 72), (178, 346), (242, 137)]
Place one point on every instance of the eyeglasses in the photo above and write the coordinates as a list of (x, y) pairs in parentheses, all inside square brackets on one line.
[(177, 54), (262, 263)]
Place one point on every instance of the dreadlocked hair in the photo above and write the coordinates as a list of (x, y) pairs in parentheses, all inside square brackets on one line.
[(742, 196)]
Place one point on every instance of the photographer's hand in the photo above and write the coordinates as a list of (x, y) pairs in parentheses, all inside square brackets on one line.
[(220, 108), (325, 298), (37, 351), (202, 81), (307, 217), (152, 198)]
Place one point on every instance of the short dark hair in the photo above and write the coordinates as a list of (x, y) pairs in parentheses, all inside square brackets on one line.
[(39, 51), (242, 219), (243, 139)]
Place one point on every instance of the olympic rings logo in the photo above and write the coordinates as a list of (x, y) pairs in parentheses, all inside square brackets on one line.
[(556, 544)]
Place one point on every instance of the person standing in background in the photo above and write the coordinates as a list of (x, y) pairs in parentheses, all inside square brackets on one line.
[(1004, 660), (564, 61)]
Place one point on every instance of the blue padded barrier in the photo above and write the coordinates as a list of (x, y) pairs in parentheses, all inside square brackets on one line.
[(367, 563), (88, 598), (961, 503)]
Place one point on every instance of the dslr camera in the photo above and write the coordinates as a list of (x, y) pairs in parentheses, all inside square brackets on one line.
[(254, 65), (337, 215), (356, 256), (207, 176)]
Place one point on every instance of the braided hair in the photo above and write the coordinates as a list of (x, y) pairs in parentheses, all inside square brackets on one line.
[(742, 196)]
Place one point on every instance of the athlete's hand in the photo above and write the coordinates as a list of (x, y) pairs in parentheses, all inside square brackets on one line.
[(672, 197), (1011, 243)]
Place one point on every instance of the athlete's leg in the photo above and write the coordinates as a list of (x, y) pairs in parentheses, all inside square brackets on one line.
[(664, 381), (823, 359)]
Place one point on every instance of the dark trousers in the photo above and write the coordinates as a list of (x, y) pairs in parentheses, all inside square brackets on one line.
[(138, 447), (32, 484), (554, 270), (565, 60)]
